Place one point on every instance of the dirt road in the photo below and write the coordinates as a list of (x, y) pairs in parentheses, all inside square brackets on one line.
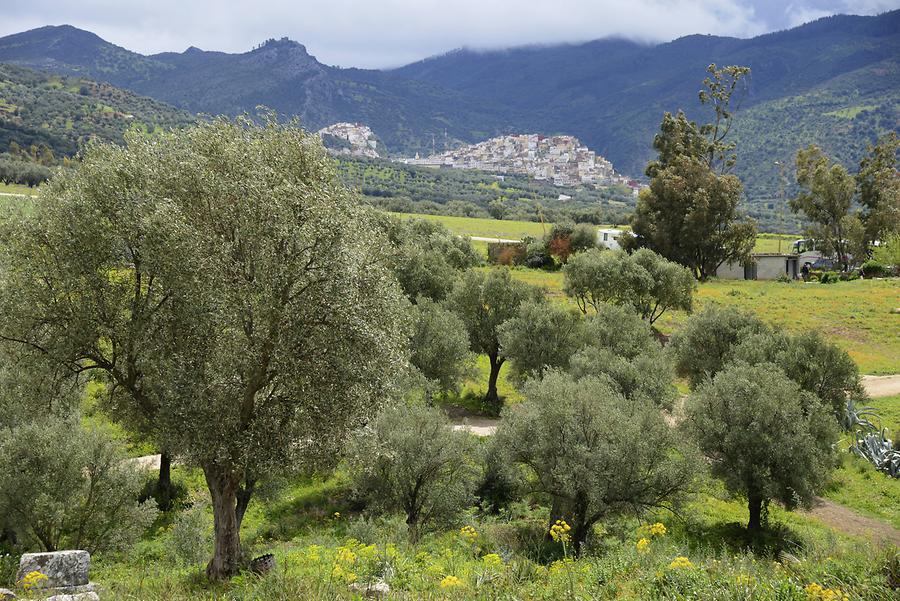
[(849, 522), (880, 386)]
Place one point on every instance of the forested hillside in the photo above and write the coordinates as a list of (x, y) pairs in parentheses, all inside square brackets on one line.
[(61, 113), (468, 193)]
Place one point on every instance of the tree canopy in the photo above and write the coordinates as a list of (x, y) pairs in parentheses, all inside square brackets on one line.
[(222, 280)]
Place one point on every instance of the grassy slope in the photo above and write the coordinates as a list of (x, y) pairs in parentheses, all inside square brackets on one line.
[(299, 525)]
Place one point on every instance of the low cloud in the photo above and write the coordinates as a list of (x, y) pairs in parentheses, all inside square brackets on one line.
[(383, 33)]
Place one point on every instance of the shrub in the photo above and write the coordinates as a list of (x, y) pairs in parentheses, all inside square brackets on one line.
[(70, 487), (644, 281), (592, 452), (541, 336), (410, 459), (764, 437), (874, 269), (830, 277), (621, 348), (439, 346), (705, 344)]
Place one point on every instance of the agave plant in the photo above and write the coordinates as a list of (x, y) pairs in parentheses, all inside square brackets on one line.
[(858, 416), (879, 450)]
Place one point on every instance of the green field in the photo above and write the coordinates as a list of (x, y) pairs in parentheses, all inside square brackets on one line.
[(854, 315), (17, 189), (515, 230), (486, 228)]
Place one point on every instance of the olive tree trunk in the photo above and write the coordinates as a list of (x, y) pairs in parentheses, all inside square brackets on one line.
[(492, 398), (754, 503), (223, 487)]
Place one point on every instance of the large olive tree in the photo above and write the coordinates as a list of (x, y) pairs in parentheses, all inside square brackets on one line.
[(764, 437), (224, 282), (592, 452)]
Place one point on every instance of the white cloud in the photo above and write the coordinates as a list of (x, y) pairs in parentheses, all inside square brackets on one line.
[(377, 33)]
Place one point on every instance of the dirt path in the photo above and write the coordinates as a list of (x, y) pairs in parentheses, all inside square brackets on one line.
[(880, 386), (849, 522), (146, 463), (484, 239)]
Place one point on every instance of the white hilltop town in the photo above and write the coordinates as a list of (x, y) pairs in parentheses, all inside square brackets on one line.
[(361, 140), (562, 160)]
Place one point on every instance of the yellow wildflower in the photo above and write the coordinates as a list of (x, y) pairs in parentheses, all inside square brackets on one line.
[(657, 529), (32, 579), (338, 572), (451, 582), (560, 566), (680, 562), (468, 533), (345, 555), (367, 551), (313, 553), (643, 545), (815, 592), (337, 515), (560, 531), (492, 561)]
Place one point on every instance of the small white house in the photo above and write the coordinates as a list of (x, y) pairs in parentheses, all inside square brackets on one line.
[(762, 266), (609, 239)]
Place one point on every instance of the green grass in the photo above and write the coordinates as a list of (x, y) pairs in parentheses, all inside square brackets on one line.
[(768, 243), (17, 189), (854, 315), (486, 228), (858, 485), (299, 526)]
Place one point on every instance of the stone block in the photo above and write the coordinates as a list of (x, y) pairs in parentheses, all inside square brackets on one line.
[(62, 568)]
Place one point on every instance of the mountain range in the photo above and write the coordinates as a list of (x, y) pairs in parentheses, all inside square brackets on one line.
[(834, 82)]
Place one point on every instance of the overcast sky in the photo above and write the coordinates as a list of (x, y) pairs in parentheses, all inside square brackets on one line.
[(385, 33)]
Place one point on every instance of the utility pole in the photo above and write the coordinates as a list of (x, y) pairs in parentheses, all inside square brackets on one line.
[(781, 202)]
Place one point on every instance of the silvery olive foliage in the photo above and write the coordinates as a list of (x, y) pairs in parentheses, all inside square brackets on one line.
[(231, 290), (764, 437), (65, 486), (643, 280), (717, 337), (411, 460), (425, 256), (439, 346), (542, 336), (622, 349), (613, 344), (593, 453)]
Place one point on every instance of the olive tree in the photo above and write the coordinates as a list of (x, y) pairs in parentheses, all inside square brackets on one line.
[(439, 346), (621, 348), (764, 437), (706, 342), (409, 459), (712, 340), (222, 280), (65, 486), (593, 453), (540, 337), (644, 281), (484, 302)]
